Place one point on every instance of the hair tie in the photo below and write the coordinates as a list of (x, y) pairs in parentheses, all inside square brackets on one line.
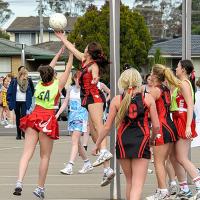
[(192, 75), (130, 89)]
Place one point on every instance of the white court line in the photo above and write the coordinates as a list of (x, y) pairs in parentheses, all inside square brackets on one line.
[(10, 148)]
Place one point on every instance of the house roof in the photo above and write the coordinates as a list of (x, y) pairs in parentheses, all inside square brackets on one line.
[(32, 23), (9, 48), (173, 47), (51, 46)]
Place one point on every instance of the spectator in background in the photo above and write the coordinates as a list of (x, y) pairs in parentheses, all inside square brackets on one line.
[(1, 103), (196, 140), (6, 82), (19, 97)]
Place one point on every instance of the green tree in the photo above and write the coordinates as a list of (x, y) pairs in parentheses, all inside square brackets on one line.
[(196, 17), (68, 7), (135, 39), (5, 12), (3, 34), (157, 58)]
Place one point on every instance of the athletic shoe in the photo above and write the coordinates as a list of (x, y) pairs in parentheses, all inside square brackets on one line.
[(4, 122), (158, 196), (197, 196), (18, 188), (67, 170), (184, 195), (39, 192), (107, 177), (86, 168), (10, 126), (102, 158), (173, 190)]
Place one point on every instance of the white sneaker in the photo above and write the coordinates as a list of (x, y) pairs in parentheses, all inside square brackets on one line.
[(4, 122), (86, 168), (107, 177), (67, 170), (173, 190), (158, 196), (10, 126), (102, 158)]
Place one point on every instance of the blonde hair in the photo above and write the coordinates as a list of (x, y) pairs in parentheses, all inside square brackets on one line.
[(130, 81), (165, 73)]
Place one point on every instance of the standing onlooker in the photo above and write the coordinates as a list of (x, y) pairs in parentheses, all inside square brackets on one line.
[(20, 97), (196, 140), (6, 82), (1, 103)]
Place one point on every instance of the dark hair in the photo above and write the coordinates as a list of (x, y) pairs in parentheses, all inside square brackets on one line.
[(189, 68), (198, 83), (75, 74), (46, 73), (20, 67), (96, 52), (147, 76), (126, 66)]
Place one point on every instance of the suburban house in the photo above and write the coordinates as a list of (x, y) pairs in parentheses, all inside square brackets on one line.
[(27, 30), (11, 52), (171, 50)]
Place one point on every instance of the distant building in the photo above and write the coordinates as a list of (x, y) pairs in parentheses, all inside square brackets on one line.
[(27, 30), (172, 51), (10, 56)]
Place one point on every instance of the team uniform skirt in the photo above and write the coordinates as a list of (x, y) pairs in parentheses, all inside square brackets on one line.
[(168, 132), (132, 142), (91, 98), (180, 120), (41, 120)]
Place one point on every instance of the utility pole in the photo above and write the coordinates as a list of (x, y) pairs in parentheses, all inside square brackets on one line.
[(41, 21), (114, 76)]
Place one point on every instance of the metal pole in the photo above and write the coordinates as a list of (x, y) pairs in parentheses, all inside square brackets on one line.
[(41, 21), (186, 29), (186, 42), (114, 76), (23, 55)]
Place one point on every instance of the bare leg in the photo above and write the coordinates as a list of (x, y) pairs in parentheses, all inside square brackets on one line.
[(161, 154), (29, 148), (75, 145), (126, 167), (46, 145)]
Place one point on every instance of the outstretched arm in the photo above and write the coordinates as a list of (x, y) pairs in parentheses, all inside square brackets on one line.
[(65, 75), (70, 46), (64, 105), (56, 57), (106, 90), (108, 125)]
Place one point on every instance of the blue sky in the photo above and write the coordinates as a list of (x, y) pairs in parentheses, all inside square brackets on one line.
[(23, 8)]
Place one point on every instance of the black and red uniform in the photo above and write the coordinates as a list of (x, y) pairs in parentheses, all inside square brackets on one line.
[(89, 92), (168, 132), (134, 134)]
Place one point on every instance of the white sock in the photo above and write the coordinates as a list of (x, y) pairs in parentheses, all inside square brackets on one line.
[(103, 150), (172, 183)]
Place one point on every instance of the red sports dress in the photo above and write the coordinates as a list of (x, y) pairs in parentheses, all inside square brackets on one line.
[(42, 119), (180, 116), (134, 134), (168, 132), (89, 92)]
